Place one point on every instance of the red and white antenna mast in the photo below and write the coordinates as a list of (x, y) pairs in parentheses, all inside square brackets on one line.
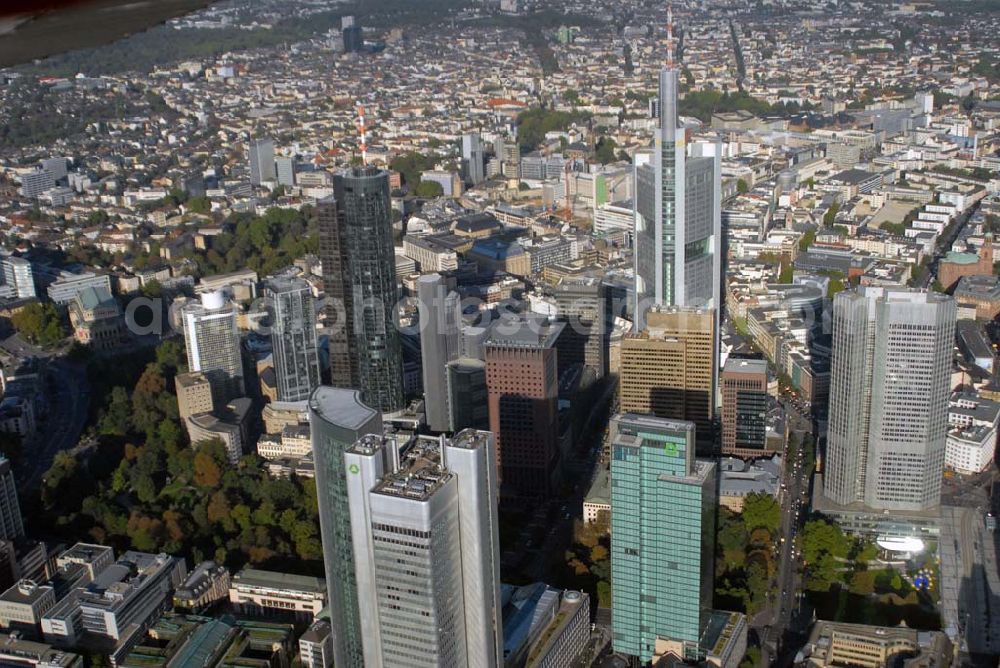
[(361, 132), (670, 35)]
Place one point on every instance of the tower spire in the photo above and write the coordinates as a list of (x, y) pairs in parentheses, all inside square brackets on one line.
[(361, 132), (670, 35)]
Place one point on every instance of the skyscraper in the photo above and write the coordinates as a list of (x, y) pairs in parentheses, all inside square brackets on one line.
[(11, 522), (336, 285), (426, 550), (440, 333), (473, 159), (20, 276), (371, 264), (522, 381), (284, 168), (338, 419), (669, 369), (261, 161), (581, 304), (359, 276), (213, 345), (744, 408), (678, 219), (662, 536), (351, 33), (889, 384), (295, 351)]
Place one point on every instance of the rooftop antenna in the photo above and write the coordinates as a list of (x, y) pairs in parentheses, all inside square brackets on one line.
[(361, 131), (670, 35)]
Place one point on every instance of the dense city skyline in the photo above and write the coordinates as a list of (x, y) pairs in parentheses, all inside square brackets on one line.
[(502, 333)]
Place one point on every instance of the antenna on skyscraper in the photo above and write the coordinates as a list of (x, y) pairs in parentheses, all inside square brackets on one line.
[(364, 139), (670, 35)]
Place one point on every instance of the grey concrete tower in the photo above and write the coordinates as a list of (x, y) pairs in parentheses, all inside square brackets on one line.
[(440, 336)]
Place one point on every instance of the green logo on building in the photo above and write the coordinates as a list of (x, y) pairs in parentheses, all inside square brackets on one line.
[(353, 468), (670, 448)]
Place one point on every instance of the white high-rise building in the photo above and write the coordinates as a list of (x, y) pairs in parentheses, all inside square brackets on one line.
[(295, 350), (472, 158), (19, 276), (889, 383), (284, 168), (213, 345), (426, 550)]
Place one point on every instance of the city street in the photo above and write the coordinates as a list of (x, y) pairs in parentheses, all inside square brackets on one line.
[(68, 403), (776, 620)]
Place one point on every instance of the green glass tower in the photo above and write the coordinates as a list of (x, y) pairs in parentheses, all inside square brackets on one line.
[(338, 419), (662, 536)]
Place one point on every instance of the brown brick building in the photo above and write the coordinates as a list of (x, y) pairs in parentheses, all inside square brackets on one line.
[(956, 265), (522, 382), (744, 409)]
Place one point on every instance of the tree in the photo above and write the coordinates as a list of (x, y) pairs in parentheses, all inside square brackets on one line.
[(742, 187), (835, 286), (206, 471), (152, 289), (39, 324), (116, 419), (533, 124), (151, 403), (761, 510), (170, 355), (200, 204), (787, 274), (752, 659), (895, 229), (807, 239), (605, 150), (410, 165), (862, 582), (830, 217), (429, 189), (824, 546)]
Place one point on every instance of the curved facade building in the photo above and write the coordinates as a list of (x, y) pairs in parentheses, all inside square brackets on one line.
[(338, 419), (359, 270)]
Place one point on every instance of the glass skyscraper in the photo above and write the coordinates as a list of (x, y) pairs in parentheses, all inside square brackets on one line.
[(359, 268), (890, 375), (261, 161), (662, 536), (338, 419), (678, 219), (295, 351)]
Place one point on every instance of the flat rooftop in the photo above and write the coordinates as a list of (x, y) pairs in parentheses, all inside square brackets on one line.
[(252, 577), (420, 472)]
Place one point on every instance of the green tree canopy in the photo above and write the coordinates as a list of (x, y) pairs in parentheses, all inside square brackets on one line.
[(39, 324), (429, 189), (762, 511)]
